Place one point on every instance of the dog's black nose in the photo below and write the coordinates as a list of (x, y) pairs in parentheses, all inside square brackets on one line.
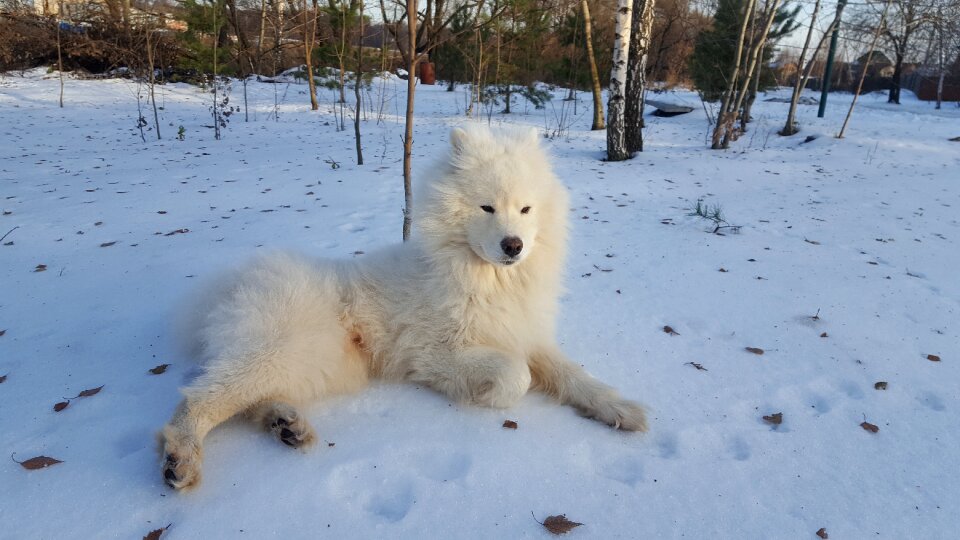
[(511, 245)]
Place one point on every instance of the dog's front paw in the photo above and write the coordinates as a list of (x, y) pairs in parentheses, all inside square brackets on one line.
[(619, 413), (181, 462)]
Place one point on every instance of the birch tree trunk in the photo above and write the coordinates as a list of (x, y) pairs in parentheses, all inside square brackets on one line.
[(791, 126), (641, 27), (413, 58), (594, 75), (616, 134)]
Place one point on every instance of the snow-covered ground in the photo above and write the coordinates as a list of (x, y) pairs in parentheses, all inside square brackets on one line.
[(845, 273)]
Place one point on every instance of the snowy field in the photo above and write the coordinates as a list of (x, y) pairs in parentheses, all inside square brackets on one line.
[(844, 272)]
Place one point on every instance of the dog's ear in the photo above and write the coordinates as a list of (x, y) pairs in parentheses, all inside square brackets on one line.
[(458, 140)]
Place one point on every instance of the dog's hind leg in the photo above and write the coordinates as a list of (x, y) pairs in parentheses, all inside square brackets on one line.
[(555, 375), (283, 420), (207, 403)]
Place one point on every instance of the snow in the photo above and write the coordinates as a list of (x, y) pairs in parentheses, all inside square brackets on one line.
[(861, 230)]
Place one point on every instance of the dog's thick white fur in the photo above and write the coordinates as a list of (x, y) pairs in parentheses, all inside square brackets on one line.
[(467, 307)]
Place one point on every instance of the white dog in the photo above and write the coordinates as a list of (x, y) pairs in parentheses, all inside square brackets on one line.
[(467, 307)]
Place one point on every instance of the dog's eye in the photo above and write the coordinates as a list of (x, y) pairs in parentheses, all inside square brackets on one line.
[(488, 209), (525, 210)]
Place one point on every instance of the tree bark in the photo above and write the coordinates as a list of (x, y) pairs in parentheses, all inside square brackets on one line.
[(262, 35), (752, 64), (309, 33), (408, 128), (790, 127), (598, 123), (723, 117), (616, 134), (641, 27)]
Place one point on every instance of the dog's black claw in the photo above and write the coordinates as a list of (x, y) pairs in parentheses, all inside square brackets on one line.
[(170, 476), (282, 422)]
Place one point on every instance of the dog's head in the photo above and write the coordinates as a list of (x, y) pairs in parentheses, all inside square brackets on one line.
[(497, 198)]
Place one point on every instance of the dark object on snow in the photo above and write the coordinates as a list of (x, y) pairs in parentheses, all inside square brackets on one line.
[(668, 109), (955, 139), (810, 138)]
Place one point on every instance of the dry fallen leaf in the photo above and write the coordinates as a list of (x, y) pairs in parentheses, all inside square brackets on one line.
[(822, 533), (560, 524), (40, 268), (814, 242), (107, 244), (39, 462), (933, 358), (510, 424), (3, 378), (91, 392), (755, 350), (775, 419), (870, 427), (696, 365), (61, 406), (159, 369), (671, 331), (155, 534), (2, 332), (823, 334), (880, 385)]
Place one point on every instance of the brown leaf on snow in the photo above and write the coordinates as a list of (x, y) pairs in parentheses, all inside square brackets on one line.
[(824, 335), (880, 385), (870, 427), (177, 231), (2, 332), (39, 462), (155, 534), (775, 419), (159, 369), (510, 424), (91, 391), (560, 524), (61, 406), (696, 365), (814, 242), (40, 268), (933, 358), (107, 244), (670, 331), (822, 533), (3, 378), (754, 350)]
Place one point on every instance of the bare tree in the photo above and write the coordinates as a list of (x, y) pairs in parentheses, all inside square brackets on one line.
[(357, 89), (412, 60), (790, 128), (616, 129), (594, 75), (865, 67), (309, 38), (725, 118)]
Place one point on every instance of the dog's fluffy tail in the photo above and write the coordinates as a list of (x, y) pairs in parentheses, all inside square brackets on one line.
[(554, 374)]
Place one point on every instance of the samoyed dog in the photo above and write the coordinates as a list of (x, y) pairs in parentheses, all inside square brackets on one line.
[(467, 307)]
